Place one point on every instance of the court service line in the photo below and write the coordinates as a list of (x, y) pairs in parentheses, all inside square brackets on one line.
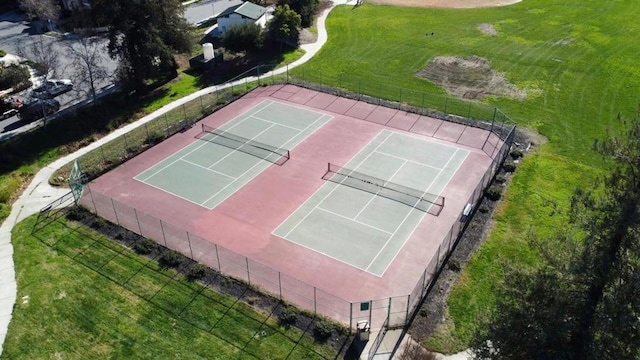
[(354, 220), (211, 170), (229, 154), (440, 192), (406, 160), (332, 190), (378, 191), (411, 211), (197, 147), (174, 194), (426, 138), (258, 163), (297, 106), (277, 123)]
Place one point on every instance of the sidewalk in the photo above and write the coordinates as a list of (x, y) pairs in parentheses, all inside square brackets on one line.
[(39, 193)]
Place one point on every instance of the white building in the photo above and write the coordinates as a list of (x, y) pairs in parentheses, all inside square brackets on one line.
[(241, 14)]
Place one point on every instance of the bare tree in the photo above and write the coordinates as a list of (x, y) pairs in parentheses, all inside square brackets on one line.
[(87, 56), (44, 55), (45, 10)]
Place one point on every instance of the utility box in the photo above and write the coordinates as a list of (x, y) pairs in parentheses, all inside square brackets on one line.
[(363, 330)]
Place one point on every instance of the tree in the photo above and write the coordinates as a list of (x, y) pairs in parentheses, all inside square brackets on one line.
[(247, 37), (43, 54), (144, 35), (45, 10), (582, 303), (285, 25), (306, 9), (87, 58)]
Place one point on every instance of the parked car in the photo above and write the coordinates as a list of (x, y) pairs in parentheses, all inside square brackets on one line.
[(52, 88), (37, 109)]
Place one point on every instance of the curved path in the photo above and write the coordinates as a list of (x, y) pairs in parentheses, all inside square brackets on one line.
[(39, 193)]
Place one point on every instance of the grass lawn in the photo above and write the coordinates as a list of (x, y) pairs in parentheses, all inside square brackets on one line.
[(83, 296), (576, 59)]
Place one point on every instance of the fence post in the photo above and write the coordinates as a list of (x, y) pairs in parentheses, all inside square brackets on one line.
[(406, 317), (126, 143), (104, 158), (114, 211), (184, 110), (424, 282), (246, 85), (218, 258), (388, 312), (315, 302), (190, 249), (339, 83), (359, 89), (423, 112), (146, 128), (135, 212), (95, 208), (248, 276), (280, 285), (287, 73), (350, 316), (163, 235), (380, 94), (400, 101), (370, 310), (446, 102)]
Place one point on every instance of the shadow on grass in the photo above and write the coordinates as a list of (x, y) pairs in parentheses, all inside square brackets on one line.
[(228, 317)]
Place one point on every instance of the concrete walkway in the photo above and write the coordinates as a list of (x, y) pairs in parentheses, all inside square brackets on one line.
[(39, 193)]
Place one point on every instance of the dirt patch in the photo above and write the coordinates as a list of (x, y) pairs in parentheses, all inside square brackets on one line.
[(488, 29), (433, 314), (457, 4), (307, 37), (470, 78)]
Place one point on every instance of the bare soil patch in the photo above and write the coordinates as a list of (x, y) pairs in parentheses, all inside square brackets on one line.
[(456, 4), (488, 29), (470, 78)]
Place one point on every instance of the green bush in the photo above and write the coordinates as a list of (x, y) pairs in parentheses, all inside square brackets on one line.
[(154, 138), (454, 265), (2, 53), (483, 209), (493, 193), (171, 259), (516, 153), (323, 329), (424, 312), (12, 76), (501, 179), (509, 166), (289, 315), (145, 246), (196, 272)]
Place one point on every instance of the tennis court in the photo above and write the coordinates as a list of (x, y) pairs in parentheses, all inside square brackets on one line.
[(222, 160), (369, 208)]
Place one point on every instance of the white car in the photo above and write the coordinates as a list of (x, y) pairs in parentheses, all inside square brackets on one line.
[(52, 88)]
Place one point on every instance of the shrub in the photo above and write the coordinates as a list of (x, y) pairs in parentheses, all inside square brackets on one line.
[(13, 75), (423, 312), (454, 265), (493, 193), (501, 179), (516, 153), (154, 138), (289, 315), (323, 329), (196, 272), (2, 53), (144, 246), (483, 209), (509, 166), (170, 259), (76, 214)]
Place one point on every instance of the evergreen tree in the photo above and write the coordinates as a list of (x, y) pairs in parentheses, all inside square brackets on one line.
[(285, 25)]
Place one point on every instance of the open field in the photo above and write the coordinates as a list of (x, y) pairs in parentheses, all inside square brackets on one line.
[(82, 295), (574, 59)]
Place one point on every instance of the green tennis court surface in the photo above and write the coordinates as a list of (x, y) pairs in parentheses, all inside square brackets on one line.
[(358, 226), (212, 168)]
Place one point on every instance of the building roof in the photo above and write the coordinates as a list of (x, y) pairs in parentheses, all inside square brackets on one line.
[(246, 9)]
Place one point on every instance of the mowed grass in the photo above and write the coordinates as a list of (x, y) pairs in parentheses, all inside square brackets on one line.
[(577, 61), (83, 296)]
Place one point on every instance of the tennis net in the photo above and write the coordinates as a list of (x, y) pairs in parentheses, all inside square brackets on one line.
[(266, 152), (420, 200)]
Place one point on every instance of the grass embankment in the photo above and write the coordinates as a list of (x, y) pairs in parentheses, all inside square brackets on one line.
[(83, 296), (577, 62)]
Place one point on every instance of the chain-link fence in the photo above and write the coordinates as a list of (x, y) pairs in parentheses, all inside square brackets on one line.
[(388, 312)]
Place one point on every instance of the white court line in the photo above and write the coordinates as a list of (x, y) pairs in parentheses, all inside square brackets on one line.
[(426, 138), (410, 161), (206, 168), (378, 191), (197, 147), (354, 220), (332, 190), (174, 194), (300, 107), (260, 162), (277, 123), (229, 154), (440, 192)]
